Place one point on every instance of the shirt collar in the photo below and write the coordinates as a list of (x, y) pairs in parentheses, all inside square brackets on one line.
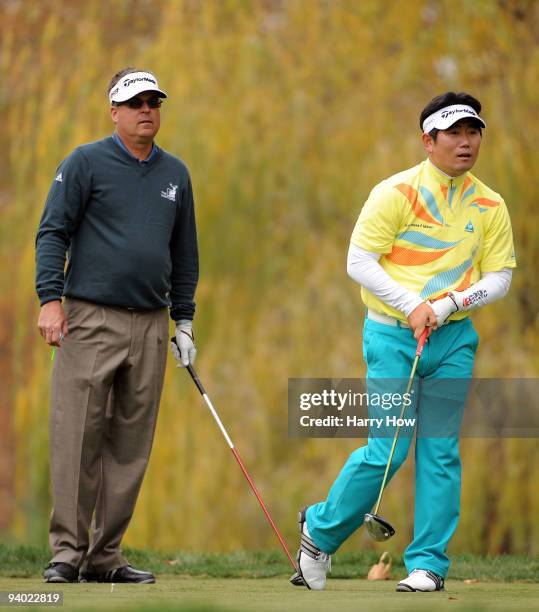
[(153, 152), (442, 177)]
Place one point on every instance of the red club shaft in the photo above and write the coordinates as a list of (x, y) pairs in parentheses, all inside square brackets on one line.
[(263, 506)]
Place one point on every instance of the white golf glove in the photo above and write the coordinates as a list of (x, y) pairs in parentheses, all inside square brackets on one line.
[(185, 351), (443, 308)]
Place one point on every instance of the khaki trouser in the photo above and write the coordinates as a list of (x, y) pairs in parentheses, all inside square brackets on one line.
[(106, 385)]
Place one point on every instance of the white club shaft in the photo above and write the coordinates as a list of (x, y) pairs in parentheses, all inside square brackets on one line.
[(216, 417)]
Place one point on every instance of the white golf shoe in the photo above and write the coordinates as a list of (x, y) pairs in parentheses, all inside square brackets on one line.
[(422, 581), (313, 564)]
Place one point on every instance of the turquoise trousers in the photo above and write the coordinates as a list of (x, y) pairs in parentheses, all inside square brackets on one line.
[(389, 353)]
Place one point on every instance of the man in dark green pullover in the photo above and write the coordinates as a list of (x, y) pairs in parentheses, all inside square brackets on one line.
[(122, 210)]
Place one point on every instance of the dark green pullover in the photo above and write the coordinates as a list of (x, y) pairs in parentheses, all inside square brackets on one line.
[(128, 229)]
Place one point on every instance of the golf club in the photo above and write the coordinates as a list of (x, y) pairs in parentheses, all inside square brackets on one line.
[(379, 528), (197, 382)]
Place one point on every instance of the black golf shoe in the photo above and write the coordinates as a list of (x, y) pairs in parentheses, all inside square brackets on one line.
[(127, 574), (60, 572)]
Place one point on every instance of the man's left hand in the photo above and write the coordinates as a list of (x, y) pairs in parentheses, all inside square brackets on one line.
[(184, 350), (443, 308)]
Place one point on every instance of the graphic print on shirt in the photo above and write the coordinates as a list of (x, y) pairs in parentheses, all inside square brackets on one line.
[(170, 192), (439, 204)]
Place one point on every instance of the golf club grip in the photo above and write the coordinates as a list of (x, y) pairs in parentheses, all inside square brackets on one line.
[(196, 379), (422, 340), (192, 372)]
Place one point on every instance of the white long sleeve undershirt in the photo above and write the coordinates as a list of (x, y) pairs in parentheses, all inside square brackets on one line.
[(363, 267), (490, 287)]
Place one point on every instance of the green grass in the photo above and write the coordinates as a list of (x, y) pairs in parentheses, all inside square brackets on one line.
[(28, 561), (272, 594), (246, 581)]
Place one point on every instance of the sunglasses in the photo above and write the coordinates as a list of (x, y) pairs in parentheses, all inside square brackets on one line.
[(137, 103)]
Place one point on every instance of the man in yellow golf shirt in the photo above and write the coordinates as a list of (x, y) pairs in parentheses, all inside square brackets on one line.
[(430, 244)]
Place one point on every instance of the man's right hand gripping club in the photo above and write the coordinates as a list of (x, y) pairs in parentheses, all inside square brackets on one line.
[(421, 317), (184, 349), (433, 314)]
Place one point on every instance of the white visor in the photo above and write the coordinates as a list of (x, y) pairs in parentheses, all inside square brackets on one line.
[(445, 117), (132, 84)]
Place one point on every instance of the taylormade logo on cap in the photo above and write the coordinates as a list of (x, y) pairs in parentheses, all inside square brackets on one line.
[(447, 116), (132, 84)]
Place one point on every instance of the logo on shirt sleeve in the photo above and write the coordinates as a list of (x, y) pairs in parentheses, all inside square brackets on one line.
[(59, 178), (469, 227), (170, 192)]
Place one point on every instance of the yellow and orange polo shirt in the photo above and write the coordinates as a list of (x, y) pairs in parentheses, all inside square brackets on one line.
[(434, 233)]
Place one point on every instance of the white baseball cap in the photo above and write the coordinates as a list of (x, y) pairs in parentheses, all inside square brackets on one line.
[(447, 116), (132, 84)]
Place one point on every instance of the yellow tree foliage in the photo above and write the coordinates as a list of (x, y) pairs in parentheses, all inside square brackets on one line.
[(287, 113)]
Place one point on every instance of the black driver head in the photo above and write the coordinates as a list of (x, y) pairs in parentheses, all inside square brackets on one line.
[(378, 528)]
